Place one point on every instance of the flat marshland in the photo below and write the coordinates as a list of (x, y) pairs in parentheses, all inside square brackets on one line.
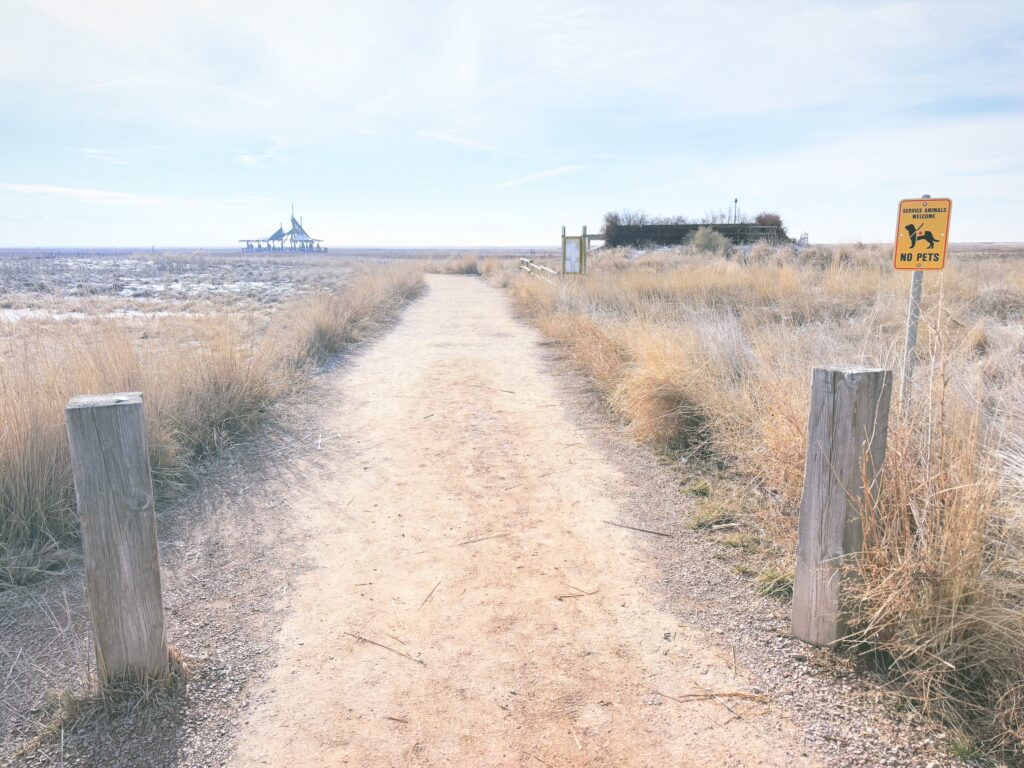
[(211, 341), (707, 353)]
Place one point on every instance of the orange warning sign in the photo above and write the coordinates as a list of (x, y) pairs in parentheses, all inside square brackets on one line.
[(922, 233)]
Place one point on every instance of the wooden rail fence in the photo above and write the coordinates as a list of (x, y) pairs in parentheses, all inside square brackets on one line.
[(536, 269)]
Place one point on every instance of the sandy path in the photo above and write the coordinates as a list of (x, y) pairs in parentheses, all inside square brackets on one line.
[(458, 505)]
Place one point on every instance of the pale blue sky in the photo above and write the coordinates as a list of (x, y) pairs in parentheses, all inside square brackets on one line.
[(180, 122)]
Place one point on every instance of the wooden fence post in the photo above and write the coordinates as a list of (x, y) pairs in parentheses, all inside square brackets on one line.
[(846, 435), (114, 489)]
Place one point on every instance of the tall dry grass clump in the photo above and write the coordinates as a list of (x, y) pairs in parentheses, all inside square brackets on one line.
[(204, 385), (938, 593), (324, 324), (659, 388), (712, 354)]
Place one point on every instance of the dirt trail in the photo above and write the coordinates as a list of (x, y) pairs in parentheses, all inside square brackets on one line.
[(461, 525)]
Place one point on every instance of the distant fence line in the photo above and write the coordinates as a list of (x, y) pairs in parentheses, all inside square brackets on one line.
[(676, 234)]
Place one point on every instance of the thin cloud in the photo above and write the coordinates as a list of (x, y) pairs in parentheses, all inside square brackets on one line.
[(532, 177), (253, 161), (109, 197), (102, 155), (136, 83), (459, 141), (262, 160)]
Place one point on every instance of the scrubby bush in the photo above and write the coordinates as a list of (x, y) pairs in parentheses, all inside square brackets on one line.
[(707, 240)]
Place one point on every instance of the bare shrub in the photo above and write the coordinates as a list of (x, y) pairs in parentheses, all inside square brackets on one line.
[(768, 219)]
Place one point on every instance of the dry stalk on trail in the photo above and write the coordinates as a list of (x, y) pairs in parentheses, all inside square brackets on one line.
[(429, 595), (642, 530), (362, 639)]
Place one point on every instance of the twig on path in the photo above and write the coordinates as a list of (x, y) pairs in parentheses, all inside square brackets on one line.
[(493, 389), (571, 586), (13, 665), (482, 538), (716, 697), (666, 696), (396, 719), (577, 594), (538, 759), (427, 416), (394, 607), (642, 530), (386, 648), (461, 543), (572, 730), (428, 596), (683, 698), (732, 694)]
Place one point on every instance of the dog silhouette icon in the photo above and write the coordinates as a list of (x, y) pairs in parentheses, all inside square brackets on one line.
[(919, 233)]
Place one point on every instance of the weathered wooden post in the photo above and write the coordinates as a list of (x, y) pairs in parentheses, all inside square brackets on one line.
[(114, 488), (846, 437)]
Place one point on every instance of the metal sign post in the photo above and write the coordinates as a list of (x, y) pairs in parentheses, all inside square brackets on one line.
[(583, 251), (574, 253), (922, 233), (910, 350)]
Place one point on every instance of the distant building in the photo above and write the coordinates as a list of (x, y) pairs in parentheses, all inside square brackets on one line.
[(295, 239)]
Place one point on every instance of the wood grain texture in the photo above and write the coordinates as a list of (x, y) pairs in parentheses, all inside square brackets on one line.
[(846, 435), (114, 489)]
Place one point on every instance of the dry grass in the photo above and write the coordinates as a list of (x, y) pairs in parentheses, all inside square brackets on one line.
[(712, 354), (206, 380), (128, 695), (454, 265), (471, 264)]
